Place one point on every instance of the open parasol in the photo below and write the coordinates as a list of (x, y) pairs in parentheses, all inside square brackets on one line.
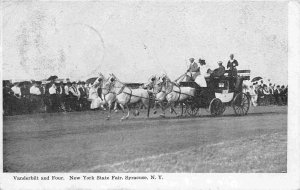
[(256, 79)]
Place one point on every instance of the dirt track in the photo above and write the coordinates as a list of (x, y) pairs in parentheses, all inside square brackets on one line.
[(86, 142)]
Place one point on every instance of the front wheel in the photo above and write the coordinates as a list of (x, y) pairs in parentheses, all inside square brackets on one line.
[(192, 109), (216, 107), (241, 104)]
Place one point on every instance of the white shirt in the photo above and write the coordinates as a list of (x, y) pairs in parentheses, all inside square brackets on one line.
[(52, 90), (60, 90), (72, 90), (16, 90), (271, 90), (66, 90), (78, 91), (266, 91), (35, 90), (252, 92)]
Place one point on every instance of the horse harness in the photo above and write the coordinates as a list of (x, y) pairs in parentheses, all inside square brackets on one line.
[(178, 92)]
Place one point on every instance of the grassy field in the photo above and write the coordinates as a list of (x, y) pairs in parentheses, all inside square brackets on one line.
[(86, 142), (263, 153)]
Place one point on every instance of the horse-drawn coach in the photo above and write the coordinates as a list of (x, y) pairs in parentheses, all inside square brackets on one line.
[(221, 92)]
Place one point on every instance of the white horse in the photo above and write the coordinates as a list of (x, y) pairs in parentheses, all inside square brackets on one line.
[(175, 94), (125, 95), (105, 99)]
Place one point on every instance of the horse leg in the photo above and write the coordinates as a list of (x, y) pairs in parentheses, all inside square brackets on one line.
[(123, 110), (161, 104), (128, 113), (181, 104), (163, 108), (172, 105), (137, 111), (109, 111), (154, 107), (145, 103), (102, 103), (138, 107), (172, 108), (115, 108)]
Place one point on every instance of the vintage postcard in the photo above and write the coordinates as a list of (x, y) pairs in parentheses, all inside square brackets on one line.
[(150, 94)]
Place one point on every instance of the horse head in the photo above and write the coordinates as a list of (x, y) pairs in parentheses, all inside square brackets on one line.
[(101, 76), (111, 78), (151, 81), (166, 83), (158, 86), (108, 84)]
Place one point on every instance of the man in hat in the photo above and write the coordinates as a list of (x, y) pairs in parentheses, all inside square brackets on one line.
[(25, 98), (277, 96), (218, 72), (35, 94), (53, 97), (86, 90), (231, 65), (45, 96), (18, 103), (97, 84), (74, 96), (17, 90), (67, 96), (271, 90), (8, 99), (150, 85), (283, 95), (193, 68), (60, 90), (82, 96), (34, 90)]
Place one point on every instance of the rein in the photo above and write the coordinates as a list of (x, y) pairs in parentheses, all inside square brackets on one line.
[(178, 92), (122, 90)]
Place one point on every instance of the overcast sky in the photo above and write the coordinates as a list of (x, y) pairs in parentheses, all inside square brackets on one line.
[(134, 40)]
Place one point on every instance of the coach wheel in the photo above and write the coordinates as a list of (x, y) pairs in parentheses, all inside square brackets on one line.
[(192, 109), (241, 104), (216, 107)]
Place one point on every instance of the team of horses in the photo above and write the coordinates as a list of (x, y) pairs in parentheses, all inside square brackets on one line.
[(115, 92)]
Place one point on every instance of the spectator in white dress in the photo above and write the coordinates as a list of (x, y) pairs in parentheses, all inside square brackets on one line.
[(253, 95)]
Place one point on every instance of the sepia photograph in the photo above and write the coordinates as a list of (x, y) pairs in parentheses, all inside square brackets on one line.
[(144, 87)]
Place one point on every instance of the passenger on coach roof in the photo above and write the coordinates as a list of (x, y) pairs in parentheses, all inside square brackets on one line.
[(231, 65), (218, 72), (193, 68)]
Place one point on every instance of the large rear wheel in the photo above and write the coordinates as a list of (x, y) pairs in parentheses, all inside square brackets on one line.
[(241, 104)]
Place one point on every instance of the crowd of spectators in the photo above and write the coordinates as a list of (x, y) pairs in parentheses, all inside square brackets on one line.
[(267, 94), (48, 96), (65, 96)]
